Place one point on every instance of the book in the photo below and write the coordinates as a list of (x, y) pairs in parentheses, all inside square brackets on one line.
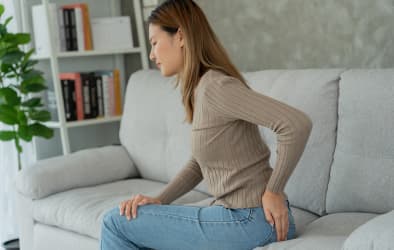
[(79, 29), (79, 104), (117, 93), (87, 30)]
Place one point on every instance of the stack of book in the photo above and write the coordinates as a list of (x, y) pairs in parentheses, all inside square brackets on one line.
[(88, 95), (71, 24)]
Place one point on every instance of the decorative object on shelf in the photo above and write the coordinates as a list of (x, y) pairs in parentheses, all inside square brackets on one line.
[(104, 29), (17, 108)]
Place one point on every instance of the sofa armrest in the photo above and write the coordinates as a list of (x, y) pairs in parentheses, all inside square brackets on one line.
[(79, 169), (376, 234)]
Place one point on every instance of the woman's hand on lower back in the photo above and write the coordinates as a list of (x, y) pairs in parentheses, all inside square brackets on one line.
[(129, 207), (276, 213)]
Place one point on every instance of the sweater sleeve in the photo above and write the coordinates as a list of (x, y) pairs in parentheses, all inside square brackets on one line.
[(183, 182), (230, 98)]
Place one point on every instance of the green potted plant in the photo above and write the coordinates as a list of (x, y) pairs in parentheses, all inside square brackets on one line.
[(22, 113)]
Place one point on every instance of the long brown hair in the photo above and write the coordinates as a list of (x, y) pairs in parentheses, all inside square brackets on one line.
[(202, 52)]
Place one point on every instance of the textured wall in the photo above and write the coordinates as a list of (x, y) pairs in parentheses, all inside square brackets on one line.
[(268, 34)]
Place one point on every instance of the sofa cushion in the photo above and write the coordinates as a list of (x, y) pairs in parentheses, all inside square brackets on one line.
[(362, 174), (376, 234), (326, 233), (314, 91), (81, 210), (152, 128), (302, 219)]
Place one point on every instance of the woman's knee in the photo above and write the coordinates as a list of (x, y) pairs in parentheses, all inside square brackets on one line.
[(111, 217)]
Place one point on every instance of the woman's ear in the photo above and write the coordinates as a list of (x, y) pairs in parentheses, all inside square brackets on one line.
[(181, 38)]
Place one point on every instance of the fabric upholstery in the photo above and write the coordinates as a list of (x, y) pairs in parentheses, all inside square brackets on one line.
[(376, 234), (326, 233), (157, 139), (83, 168), (315, 92), (81, 210), (362, 174)]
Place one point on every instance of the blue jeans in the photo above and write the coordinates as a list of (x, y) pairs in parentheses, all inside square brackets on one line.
[(186, 227)]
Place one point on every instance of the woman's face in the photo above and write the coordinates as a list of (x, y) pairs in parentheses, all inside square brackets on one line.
[(166, 50)]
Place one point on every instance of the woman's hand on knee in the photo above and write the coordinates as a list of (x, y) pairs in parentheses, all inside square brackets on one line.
[(129, 207)]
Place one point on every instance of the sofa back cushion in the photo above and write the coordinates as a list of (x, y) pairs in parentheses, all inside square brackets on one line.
[(152, 127), (314, 91), (362, 174)]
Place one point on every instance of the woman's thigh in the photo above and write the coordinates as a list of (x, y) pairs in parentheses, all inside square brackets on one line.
[(189, 227)]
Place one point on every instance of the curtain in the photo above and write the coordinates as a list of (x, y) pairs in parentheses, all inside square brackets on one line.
[(8, 155)]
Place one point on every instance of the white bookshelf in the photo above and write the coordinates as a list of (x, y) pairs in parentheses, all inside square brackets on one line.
[(55, 60)]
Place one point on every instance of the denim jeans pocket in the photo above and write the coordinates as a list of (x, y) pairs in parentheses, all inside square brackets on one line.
[(240, 214)]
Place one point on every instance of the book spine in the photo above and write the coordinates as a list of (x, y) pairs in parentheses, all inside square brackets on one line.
[(93, 95), (62, 36), (87, 27), (66, 97), (111, 102), (73, 101), (86, 96), (79, 29), (79, 98), (73, 27), (100, 98), (107, 111), (67, 29), (117, 93)]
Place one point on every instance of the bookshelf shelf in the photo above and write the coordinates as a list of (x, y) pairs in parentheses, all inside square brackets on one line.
[(87, 122), (55, 66), (89, 53)]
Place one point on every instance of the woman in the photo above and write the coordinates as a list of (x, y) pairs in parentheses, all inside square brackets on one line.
[(250, 208)]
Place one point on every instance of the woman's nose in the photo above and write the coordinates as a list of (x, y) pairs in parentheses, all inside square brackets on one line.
[(151, 56)]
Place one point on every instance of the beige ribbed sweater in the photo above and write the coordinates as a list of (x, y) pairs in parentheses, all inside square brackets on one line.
[(227, 149)]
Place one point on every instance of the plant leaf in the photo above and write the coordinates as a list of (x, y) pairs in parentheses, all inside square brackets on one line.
[(7, 21), (33, 102), (7, 135), (13, 57), (10, 96), (22, 38), (40, 130), (34, 87), (8, 115), (1, 9), (22, 117), (25, 133), (41, 115)]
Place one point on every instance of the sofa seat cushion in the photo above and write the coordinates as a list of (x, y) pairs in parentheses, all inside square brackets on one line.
[(302, 219), (376, 234), (81, 210), (328, 233)]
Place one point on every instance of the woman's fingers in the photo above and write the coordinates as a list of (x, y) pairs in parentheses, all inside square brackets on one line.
[(128, 208), (269, 217), (281, 226)]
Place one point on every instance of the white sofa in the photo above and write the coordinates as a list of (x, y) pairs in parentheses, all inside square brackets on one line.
[(341, 192)]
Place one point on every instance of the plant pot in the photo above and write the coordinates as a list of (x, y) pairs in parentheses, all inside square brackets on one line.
[(11, 244)]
